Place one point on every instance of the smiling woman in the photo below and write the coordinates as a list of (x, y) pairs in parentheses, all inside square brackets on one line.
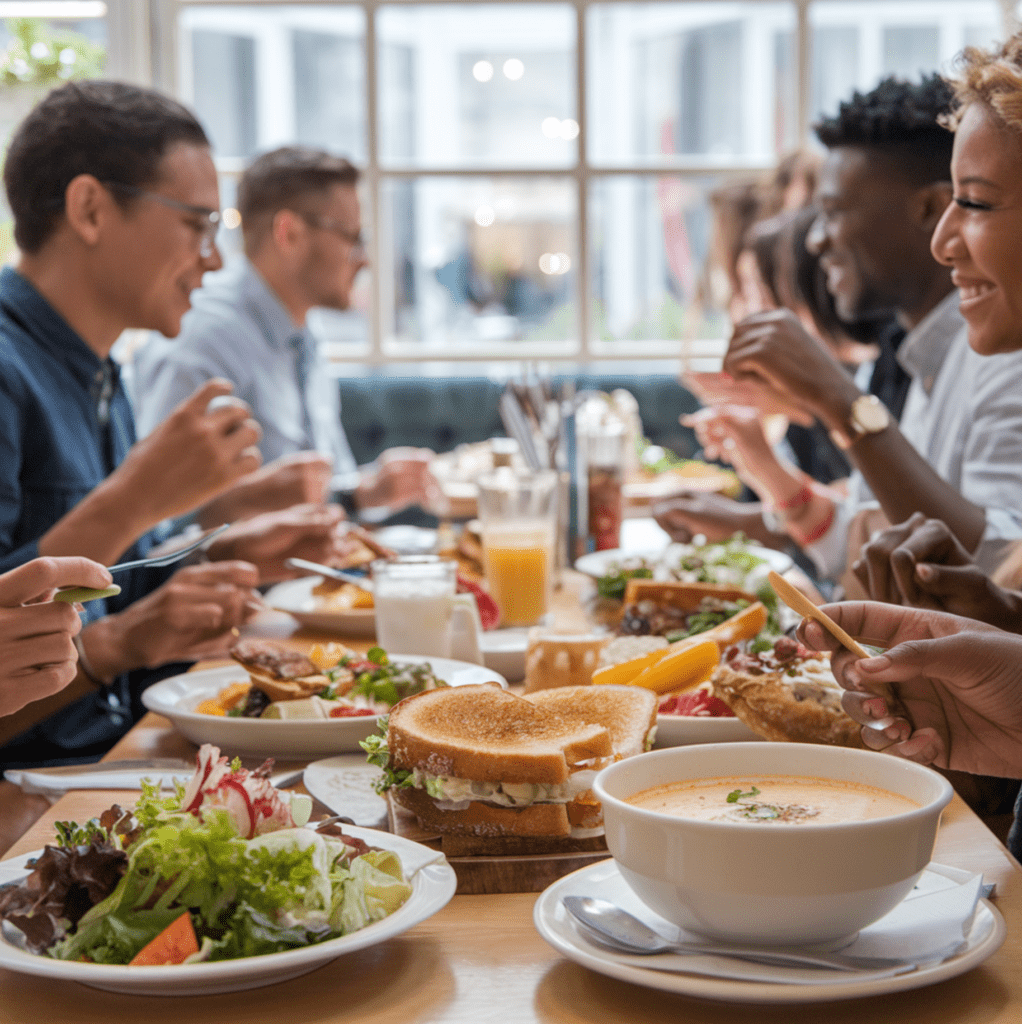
[(978, 236)]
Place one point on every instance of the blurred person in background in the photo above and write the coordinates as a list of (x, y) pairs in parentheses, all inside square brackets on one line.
[(883, 188), (302, 229)]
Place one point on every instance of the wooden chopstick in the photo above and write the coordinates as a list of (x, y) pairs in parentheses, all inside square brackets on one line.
[(798, 602)]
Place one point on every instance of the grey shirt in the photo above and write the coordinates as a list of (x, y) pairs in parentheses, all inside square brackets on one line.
[(239, 329), (963, 414)]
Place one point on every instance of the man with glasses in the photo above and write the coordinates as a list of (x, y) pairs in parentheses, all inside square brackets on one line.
[(115, 203), (301, 223)]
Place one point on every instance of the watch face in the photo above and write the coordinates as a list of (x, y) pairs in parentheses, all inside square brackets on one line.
[(870, 414)]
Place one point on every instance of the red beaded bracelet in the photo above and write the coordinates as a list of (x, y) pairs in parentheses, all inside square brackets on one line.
[(801, 497), (805, 539)]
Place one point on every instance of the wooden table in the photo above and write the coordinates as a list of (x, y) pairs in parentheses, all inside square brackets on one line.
[(480, 959)]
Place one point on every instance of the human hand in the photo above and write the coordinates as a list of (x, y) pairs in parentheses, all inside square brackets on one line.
[(711, 515), (773, 349), (192, 456), (190, 617), (298, 479), (266, 541), (723, 389), (950, 685), (733, 434), (921, 563), (402, 478), (37, 652)]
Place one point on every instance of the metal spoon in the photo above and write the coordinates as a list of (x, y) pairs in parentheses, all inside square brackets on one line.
[(618, 928), (335, 574)]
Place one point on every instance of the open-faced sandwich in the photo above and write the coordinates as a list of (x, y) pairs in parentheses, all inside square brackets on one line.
[(332, 682), (786, 692)]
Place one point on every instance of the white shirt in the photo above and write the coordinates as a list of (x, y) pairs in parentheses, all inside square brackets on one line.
[(963, 414), (239, 329)]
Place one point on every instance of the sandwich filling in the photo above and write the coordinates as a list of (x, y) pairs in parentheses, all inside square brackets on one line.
[(453, 794)]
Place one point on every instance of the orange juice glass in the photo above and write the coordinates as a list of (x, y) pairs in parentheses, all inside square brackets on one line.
[(518, 514)]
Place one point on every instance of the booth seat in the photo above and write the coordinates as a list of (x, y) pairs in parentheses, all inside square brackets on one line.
[(380, 412)]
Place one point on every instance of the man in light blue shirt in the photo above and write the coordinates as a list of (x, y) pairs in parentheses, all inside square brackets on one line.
[(302, 230)]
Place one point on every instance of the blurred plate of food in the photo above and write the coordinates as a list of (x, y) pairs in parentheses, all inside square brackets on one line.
[(339, 608), (661, 474), (736, 562), (281, 704), (698, 717), (456, 472), (407, 540)]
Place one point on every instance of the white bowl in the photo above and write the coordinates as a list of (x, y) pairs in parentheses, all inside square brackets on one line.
[(762, 883)]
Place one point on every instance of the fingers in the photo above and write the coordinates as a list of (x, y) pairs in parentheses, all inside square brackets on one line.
[(28, 654), (236, 572), (42, 575), (199, 401)]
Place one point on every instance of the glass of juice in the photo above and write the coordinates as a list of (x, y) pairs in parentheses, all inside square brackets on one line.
[(518, 512)]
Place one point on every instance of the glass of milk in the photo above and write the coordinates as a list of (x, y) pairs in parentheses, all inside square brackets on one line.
[(418, 610)]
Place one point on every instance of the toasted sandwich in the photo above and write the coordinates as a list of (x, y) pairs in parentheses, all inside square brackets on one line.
[(478, 761), (628, 713)]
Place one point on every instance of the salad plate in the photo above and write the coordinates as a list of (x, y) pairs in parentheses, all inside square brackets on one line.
[(431, 877), (297, 599), (600, 563), (983, 937), (683, 730), (176, 698)]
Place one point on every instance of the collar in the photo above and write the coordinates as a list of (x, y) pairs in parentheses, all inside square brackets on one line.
[(926, 346), (47, 329), (267, 310)]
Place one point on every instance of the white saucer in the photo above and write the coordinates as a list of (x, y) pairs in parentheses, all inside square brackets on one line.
[(603, 880), (345, 785)]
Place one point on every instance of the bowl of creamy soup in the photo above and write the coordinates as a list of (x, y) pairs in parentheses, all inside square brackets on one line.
[(772, 843)]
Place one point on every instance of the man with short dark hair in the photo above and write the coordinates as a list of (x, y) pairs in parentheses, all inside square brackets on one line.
[(958, 453), (115, 201), (303, 245)]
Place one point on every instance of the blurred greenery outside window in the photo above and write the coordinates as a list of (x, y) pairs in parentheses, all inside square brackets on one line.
[(37, 55)]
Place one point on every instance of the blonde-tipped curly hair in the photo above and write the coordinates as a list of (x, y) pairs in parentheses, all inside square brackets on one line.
[(993, 77)]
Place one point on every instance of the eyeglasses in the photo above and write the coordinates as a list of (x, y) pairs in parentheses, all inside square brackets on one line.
[(209, 220), (357, 252)]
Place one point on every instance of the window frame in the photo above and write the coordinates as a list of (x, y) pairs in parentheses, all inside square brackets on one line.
[(147, 50)]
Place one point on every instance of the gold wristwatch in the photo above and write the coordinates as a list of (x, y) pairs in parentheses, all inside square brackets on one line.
[(868, 416)]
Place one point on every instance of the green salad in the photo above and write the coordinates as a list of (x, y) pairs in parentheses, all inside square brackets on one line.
[(223, 861)]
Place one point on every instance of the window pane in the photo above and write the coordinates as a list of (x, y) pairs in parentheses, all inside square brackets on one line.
[(689, 79), (855, 43), (649, 239), (260, 76), (477, 85), (470, 263)]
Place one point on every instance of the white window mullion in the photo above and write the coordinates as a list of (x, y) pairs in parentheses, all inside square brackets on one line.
[(583, 286)]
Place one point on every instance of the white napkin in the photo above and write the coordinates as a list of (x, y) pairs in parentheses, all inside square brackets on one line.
[(930, 925), (55, 786)]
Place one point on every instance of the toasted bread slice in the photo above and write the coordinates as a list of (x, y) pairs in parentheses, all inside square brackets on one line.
[(628, 713), (673, 594), (485, 734), (481, 819)]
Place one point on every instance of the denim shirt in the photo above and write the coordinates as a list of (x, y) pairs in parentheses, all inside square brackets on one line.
[(56, 395), (65, 424)]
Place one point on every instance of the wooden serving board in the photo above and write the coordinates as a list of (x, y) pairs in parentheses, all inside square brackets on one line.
[(505, 871)]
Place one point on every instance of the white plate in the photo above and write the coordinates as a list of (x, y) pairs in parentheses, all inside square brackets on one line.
[(433, 884), (175, 698), (296, 598), (504, 650), (603, 880), (598, 563), (345, 785), (682, 730), (669, 484)]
